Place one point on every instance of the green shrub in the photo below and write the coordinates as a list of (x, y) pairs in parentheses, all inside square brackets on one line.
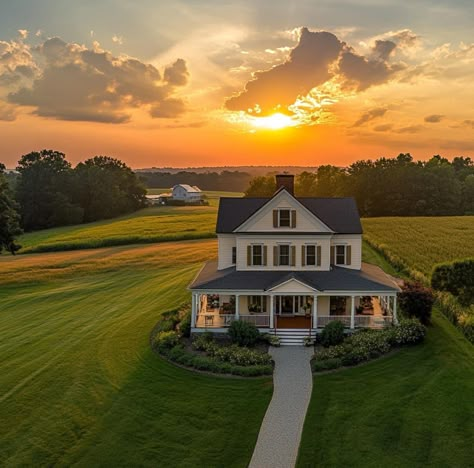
[(272, 340), (328, 364), (332, 334), (457, 278), (243, 333), (165, 326), (166, 340), (417, 301), (408, 331), (203, 342), (185, 325)]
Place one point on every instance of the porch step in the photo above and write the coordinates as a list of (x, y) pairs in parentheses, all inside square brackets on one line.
[(293, 336)]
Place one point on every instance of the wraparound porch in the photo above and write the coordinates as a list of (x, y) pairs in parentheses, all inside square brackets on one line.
[(296, 311)]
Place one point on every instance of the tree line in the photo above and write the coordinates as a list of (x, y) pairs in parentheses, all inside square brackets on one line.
[(48, 192), (389, 186), (230, 181)]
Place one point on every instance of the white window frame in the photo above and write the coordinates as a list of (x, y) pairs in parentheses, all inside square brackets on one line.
[(315, 255), (279, 217), (252, 246), (344, 246), (286, 244)]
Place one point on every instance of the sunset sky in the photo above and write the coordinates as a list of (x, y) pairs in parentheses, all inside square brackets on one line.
[(263, 82)]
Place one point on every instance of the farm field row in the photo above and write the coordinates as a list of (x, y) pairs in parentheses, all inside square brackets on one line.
[(150, 225), (421, 243), (79, 382)]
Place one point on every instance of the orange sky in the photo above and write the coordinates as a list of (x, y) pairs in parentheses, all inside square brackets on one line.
[(238, 93)]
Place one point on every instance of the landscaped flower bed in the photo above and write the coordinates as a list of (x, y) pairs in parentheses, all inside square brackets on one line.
[(367, 344), (171, 339)]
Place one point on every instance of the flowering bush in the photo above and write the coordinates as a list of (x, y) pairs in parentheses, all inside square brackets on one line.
[(272, 340), (409, 331), (308, 341), (368, 344), (166, 340)]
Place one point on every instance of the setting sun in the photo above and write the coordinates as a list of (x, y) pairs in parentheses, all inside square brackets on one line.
[(276, 121)]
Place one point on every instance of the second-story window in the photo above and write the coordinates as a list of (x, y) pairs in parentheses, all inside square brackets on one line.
[(340, 254), (284, 255), (234, 255), (311, 255), (257, 255)]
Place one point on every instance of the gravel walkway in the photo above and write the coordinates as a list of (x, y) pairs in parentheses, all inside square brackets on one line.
[(280, 434)]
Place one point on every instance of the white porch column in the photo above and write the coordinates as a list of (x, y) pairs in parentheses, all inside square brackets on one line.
[(237, 300), (194, 305), (352, 312), (315, 311), (272, 312), (395, 317)]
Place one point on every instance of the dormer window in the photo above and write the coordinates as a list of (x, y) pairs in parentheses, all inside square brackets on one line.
[(284, 218)]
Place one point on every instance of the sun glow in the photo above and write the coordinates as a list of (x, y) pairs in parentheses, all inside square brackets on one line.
[(275, 121)]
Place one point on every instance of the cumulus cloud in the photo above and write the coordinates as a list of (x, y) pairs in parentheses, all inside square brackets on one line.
[(371, 114), (318, 58), (307, 67), (69, 81), (434, 118)]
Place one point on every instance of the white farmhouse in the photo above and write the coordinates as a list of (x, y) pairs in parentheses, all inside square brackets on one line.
[(290, 266), (187, 193)]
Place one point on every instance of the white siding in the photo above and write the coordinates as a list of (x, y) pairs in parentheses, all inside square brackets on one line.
[(293, 287), (225, 243), (323, 305), (270, 241), (355, 241), (262, 221)]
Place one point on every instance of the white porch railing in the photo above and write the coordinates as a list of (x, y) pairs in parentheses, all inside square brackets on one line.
[(262, 320), (210, 320), (323, 320), (373, 321), (216, 320)]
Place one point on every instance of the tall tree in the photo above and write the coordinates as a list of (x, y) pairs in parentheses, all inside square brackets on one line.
[(9, 217), (106, 187), (44, 191)]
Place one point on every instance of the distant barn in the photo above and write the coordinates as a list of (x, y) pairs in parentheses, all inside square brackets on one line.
[(187, 193)]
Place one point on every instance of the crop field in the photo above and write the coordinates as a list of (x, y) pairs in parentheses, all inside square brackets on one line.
[(421, 243), (150, 225), (79, 383)]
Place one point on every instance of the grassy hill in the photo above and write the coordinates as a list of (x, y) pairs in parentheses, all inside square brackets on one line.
[(150, 225), (79, 383)]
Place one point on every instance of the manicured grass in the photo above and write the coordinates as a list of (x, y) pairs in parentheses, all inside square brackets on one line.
[(412, 409), (421, 243), (79, 383), (370, 255), (150, 225)]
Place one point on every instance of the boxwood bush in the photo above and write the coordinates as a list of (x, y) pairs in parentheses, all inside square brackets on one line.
[(243, 333), (332, 334)]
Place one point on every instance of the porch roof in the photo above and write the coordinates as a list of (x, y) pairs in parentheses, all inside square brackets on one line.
[(370, 279)]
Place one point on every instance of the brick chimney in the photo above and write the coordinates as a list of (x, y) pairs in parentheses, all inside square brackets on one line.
[(287, 181)]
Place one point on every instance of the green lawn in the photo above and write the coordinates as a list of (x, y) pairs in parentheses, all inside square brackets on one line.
[(150, 225), (79, 383), (414, 408)]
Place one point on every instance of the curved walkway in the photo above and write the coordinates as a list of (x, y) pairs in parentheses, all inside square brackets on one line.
[(279, 437)]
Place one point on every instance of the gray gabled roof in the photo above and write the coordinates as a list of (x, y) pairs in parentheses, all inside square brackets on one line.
[(369, 279), (339, 214)]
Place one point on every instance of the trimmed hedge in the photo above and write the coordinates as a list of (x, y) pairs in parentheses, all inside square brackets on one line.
[(368, 344)]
